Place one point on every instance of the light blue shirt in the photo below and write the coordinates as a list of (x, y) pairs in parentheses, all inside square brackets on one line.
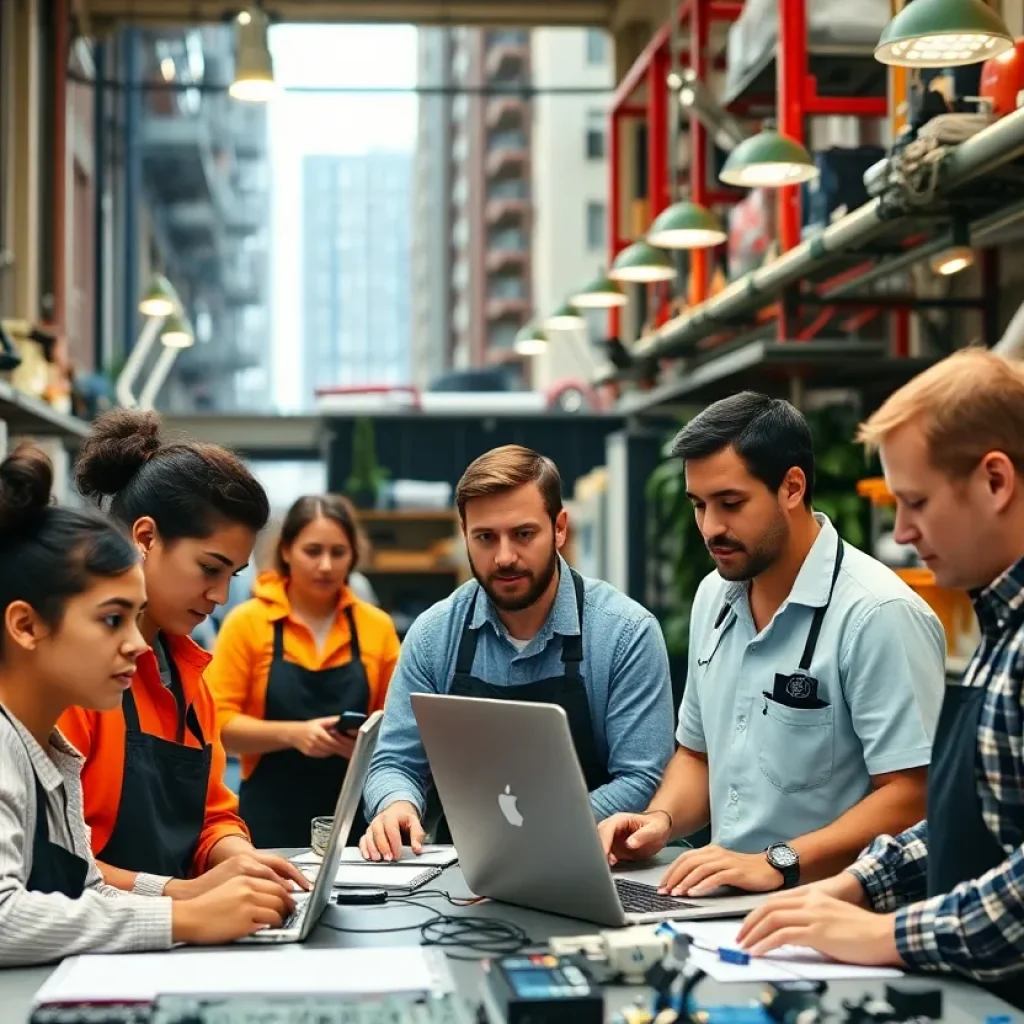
[(625, 673), (777, 773)]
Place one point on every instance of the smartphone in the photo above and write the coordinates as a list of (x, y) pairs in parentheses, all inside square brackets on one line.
[(349, 722)]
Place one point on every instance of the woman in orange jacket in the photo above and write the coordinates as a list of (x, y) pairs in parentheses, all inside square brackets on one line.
[(163, 822), (289, 662)]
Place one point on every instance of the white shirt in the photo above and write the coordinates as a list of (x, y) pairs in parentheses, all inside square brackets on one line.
[(40, 927)]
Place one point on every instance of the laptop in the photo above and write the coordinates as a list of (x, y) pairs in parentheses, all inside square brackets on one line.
[(517, 805), (310, 905)]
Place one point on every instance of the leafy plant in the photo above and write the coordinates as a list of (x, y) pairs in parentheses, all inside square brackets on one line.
[(677, 557), (367, 476)]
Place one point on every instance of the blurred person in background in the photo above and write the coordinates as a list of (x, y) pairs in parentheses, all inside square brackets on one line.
[(163, 822), (289, 662)]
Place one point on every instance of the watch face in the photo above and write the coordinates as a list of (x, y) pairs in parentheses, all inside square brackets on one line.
[(782, 856)]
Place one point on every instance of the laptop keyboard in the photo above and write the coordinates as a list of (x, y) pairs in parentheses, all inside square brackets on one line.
[(638, 898)]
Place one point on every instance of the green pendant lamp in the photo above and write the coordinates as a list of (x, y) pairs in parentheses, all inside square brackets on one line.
[(686, 225), (177, 332), (943, 34), (769, 160), (566, 318), (641, 263), (601, 293), (160, 299), (531, 341)]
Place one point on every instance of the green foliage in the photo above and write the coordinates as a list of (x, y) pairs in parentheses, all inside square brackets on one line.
[(366, 476), (677, 557)]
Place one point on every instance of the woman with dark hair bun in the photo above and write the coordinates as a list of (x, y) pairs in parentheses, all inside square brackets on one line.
[(162, 819), (71, 594), (290, 662)]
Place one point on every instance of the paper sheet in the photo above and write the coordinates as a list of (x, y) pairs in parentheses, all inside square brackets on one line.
[(374, 876), (431, 857), (787, 962), (142, 977)]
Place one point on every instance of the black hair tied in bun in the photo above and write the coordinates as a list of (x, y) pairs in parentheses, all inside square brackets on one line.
[(26, 484)]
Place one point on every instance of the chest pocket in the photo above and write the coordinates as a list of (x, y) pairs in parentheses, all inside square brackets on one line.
[(795, 746)]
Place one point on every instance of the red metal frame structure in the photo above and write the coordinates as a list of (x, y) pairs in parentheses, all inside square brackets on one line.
[(797, 99)]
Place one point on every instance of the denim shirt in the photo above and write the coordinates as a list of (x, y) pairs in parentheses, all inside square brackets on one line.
[(625, 672)]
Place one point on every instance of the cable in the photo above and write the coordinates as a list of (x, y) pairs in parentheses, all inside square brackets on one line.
[(494, 89), (484, 936), (915, 164)]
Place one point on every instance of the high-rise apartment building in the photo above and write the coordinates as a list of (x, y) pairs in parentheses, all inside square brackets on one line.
[(484, 202), (570, 187), (356, 227), (432, 331), (510, 195)]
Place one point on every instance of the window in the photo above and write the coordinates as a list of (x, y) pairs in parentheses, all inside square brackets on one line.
[(595, 135), (596, 224), (596, 46)]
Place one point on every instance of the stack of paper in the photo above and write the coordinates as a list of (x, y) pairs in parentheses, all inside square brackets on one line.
[(782, 964), (410, 872), (142, 977)]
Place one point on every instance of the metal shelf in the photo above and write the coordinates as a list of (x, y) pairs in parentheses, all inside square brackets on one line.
[(25, 415)]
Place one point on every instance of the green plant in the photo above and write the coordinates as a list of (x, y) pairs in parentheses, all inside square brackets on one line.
[(367, 476), (677, 557)]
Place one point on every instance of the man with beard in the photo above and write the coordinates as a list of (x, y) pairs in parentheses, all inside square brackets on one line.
[(814, 681), (528, 628)]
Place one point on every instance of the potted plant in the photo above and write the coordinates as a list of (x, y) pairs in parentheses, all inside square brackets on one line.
[(365, 480)]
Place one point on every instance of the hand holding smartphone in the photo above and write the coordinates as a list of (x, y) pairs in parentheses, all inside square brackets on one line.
[(349, 723)]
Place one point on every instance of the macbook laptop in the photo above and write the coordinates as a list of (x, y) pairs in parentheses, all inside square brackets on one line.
[(309, 906), (517, 805)]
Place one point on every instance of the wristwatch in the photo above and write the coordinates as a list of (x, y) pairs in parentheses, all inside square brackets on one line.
[(784, 859)]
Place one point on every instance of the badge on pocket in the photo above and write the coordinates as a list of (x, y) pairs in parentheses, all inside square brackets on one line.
[(797, 690)]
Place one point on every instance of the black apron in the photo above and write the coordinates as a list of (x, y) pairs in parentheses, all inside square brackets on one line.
[(960, 845), (162, 809), (54, 869), (287, 789), (567, 691)]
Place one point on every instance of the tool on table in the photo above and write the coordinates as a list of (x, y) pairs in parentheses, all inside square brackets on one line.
[(540, 989)]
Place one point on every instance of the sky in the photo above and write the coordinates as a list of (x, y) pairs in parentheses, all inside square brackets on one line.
[(304, 123)]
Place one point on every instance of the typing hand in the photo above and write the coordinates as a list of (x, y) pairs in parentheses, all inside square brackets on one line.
[(699, 872), (239, 907), (383, 839), (628, 837), (256, 864), (835, 928)]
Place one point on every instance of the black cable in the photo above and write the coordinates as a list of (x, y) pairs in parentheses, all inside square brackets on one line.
[(482, 935), (494, 89)]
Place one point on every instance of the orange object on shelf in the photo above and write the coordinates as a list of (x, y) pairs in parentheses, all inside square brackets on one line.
[(874, 489), (953, 607)]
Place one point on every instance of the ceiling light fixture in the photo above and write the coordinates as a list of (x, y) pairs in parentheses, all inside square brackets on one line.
[(642, 263), (943, 34)]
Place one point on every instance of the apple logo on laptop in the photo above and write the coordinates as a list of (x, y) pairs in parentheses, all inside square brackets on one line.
[(507, 803)]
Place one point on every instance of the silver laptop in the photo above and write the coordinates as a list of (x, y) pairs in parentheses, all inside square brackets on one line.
[(309, 906), (517, 805)]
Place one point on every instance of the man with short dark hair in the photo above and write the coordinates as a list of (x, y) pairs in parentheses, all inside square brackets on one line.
[(527, 628), (945, 894), (814, 679)]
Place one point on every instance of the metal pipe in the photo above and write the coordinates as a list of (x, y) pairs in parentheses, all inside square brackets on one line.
[(700, 275), (791, 80), (992, 146), (147, 398), (132, 182), (136, 357), (99, 220)]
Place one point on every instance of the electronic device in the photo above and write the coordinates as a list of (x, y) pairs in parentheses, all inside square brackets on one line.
[(517, 805), (297, 1008), (540, 989), (309, 906), (349, 722)]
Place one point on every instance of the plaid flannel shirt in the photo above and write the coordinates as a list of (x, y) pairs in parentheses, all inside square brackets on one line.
[(977, 929)]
